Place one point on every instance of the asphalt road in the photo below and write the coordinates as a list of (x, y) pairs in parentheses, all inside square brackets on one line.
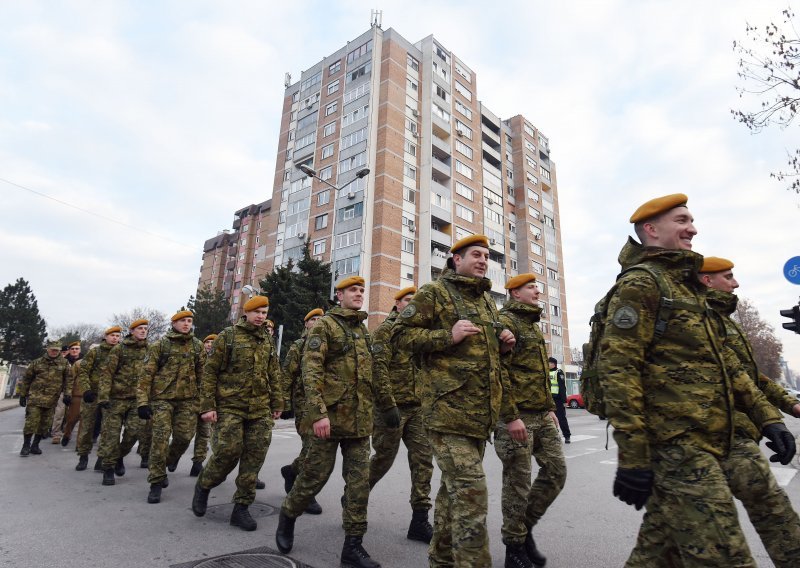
[(51, 515)]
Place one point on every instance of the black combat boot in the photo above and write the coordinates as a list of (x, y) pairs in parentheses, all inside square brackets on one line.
[(155, 493), (26, 446), (240, 517), (165, 483), (354, 555), (516, 557), (197, 467), (83, 462), (119, 468), (172, 466), (35, 445), (200, 500), (289, 476), (533, 553), (108, 476), (145, 463), (284, 536), (420, 529), (98, 465), (313, 508)]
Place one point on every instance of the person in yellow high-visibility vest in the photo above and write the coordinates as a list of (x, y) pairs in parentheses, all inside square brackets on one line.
[(558, 388)]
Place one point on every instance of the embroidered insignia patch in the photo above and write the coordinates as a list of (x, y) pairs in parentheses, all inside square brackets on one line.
[(377, 348), (314, 342), (625, 317), (409, 311)]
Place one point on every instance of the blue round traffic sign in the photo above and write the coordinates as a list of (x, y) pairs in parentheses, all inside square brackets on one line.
[(791, 270)]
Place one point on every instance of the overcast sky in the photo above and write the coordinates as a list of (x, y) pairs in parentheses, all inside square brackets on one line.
[(163, 117)]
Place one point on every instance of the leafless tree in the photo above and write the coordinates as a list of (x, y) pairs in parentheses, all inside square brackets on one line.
[(767, 348), (159, 321)]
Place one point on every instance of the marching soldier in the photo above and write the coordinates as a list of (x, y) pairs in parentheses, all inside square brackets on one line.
[(66, 415), (203, 429), (402, 372)]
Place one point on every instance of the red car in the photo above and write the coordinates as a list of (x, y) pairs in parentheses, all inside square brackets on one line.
[(575, 401)]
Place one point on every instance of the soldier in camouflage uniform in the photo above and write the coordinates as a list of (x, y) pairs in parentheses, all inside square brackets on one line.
[(401, 369), (202, 429), (44, 381), (241, 394), (292, 373), (669, 387), (530, 429), (117, 397), (65, 422), (747, 470), (340, 394), (453, 324), (167, 394)]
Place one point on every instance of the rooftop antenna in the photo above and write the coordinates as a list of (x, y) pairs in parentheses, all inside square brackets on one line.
[(287, 80), (376, 17)]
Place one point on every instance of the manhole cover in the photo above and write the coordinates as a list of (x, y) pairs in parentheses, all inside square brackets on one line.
[(263, 557), (223, 511)]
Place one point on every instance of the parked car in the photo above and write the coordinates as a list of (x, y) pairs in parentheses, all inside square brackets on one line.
[(575, 401)]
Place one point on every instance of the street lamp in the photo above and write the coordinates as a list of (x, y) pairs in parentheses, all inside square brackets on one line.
[(309, 171)]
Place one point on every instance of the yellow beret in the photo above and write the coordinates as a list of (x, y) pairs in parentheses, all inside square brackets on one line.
[(480, 240), (113, 329), (313, 313), (211, 337), (75, 344), (137, 323), (182, 314), (715, 264), (658, 206), (520, 280), (350, 281), (405, 292), (270, 323), (256, 302)]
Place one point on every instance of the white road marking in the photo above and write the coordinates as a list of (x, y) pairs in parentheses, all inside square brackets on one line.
[(590, 451), (581, 437)]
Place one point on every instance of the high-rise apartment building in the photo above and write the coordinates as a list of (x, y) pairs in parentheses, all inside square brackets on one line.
[(441, 166)]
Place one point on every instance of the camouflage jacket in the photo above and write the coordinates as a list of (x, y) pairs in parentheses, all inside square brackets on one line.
[(465, 382), (123, 367), (681, 388), (293, 375), (93, 363), (244, 378), (173, 369), (337, 374), (398, 366), (44, 380), (526, 364), (725, 304)]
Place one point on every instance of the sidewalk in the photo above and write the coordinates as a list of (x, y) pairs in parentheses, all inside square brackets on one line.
[(8, 403)]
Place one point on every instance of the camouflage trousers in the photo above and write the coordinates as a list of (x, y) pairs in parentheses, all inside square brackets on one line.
[(120, 413), (176, 418), (691, 518), (201, 437), (145, 438), (317, 469), (386, 442), (58, 418), (460, 537), (37, 420), (767, 505), (84, 443), (524, 504), (237, 440), (305, 439)]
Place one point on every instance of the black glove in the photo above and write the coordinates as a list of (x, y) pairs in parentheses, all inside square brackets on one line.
[(781, 441), (67, 400), (89, 396), (633, 486), (104, 405), (145, 413), (392, 417), (23, 401), (287, 414)]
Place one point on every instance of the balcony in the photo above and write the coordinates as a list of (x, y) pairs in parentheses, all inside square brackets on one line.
[(441, 145), (442, 238), (438, 258), (443, 215), (487, 149), (490, 136), (440, 126), (441, 167)]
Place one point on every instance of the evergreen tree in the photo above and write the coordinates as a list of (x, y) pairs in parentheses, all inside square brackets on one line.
[(211, 312), (22, 329)]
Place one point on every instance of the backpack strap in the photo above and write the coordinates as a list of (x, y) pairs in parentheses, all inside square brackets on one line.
[(164, 353), (230, 336)]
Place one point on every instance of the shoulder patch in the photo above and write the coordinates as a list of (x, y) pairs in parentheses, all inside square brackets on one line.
[(377, 348), (314, 342), (409, 311), (625, 317)]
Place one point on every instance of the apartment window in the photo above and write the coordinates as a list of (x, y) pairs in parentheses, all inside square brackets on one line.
[(493, 215), (550, 222), (350, 212), (461, 70), (412, 63), (537, 268), (513, 264), (536, 249), (555, 311), (355, 116), (327, 151), (326, 173), (348, 265), (306, 140), (319, 246), (441, 53), (463, 169), (241, 256), (543, 326), (360, 51), (331, 108), (533, 212), (528, 130), (532, 195), (329, 129), (441, 93), (281, 217), (239, 270), (545, 173), (463, 91), (360, 72), (335, 68), (354, 186), (347, 239), (440, 112), (410, 148), (299, 206), (311, 81), (288, 154), (464, 213), (293, 115), (409, 170), (463, 130), (464, 149), (356, 93), (547, 204), (529, 145), (462, 233), (411, 125), (413, 85), (552, 274), (324, 197), (409, 195), (354, 138), (333, 87), (460, 107), (536, 232), (543, 141), (320, 221), (245, 228), (556, 330), (352, 162), (408, 245), (464, 191), (296, 96), (531, 178), (512, 228), (287, 175), (531, 162)]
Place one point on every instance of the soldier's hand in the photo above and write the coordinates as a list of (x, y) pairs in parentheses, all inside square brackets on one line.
[(23, 401), (145, 412), (322, 428), (554, 418), (633, 486), (287, 414), (463, 329), (67, 400), (507, 341), (796, 411), (392, 417), (277, 414), (781, 441), (517, 430), (210, 416), (89, 396)]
